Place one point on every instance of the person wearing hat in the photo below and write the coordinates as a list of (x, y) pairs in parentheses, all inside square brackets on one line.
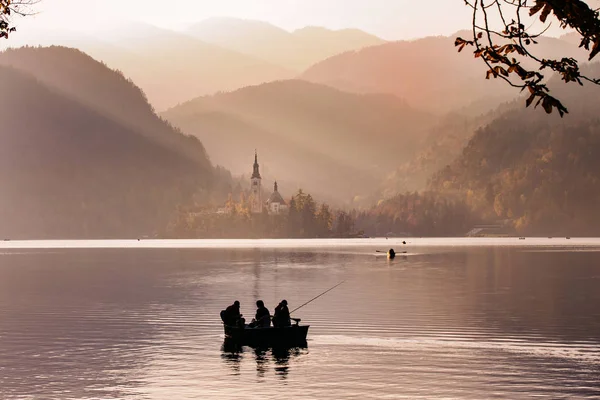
[(282, 315)]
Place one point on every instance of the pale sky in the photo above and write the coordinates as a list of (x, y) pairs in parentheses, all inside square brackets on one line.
[(390, 19)]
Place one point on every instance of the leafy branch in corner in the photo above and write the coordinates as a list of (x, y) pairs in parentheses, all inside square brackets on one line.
[(10, 8), (504, 45)]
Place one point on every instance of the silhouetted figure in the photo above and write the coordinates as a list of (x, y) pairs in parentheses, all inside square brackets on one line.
[(231, 315), (282, 315), (262, 318), (391, 254)]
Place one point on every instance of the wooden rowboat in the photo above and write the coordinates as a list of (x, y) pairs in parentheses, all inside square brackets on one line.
[(294, 335)]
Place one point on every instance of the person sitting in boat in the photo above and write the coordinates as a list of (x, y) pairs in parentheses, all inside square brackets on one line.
[(282, 315), (263, 316), (231, 315)]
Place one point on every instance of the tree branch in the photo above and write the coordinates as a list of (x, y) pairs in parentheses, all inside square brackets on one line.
[(514, 38)]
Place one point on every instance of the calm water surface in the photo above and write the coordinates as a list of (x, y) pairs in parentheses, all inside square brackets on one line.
[(494, 320)]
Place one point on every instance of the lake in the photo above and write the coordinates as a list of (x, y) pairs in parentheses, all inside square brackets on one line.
[(452, 318)]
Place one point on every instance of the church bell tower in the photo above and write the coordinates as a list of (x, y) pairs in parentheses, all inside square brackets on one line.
[(256, 204)]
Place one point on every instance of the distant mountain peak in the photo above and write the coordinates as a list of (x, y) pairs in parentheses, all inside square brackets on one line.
[(293, 50), (313, 29)]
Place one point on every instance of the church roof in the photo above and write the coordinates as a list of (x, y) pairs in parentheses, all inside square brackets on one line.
[(275, 196)]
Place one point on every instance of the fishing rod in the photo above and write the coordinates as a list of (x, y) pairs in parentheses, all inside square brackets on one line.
[(314, 298)]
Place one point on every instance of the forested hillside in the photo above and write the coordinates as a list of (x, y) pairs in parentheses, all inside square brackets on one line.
[(442, 145), (417, 214), (71, 166), (539, 171)]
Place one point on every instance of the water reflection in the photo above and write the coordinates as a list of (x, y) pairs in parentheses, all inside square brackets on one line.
[(281, 358)]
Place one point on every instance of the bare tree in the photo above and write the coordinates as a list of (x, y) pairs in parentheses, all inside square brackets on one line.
[(9, 9), (502, 41)]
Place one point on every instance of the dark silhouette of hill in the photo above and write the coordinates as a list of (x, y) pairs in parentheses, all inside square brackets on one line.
[(106, 91), (294, 50), (428, 73), (540, 172), (71, 168), (327, 141)]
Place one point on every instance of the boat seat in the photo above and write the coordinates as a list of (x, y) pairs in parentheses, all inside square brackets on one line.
[(296, 320)]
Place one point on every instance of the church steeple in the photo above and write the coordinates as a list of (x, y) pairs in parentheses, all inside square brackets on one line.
[(256, 172), (256, 202), (275, 187)]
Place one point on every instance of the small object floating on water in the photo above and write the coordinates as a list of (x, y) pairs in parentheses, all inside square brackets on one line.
[(568, 238), (521, 238)]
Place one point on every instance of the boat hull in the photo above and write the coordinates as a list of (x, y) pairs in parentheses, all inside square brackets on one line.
[(294, 335)]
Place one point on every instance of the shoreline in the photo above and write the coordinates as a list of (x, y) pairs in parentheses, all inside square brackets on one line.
[(396, 243)]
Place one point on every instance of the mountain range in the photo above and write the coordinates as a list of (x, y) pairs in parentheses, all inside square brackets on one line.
[(84, 153), (170, 67), (428, 73), (173, 67), (296, 50)]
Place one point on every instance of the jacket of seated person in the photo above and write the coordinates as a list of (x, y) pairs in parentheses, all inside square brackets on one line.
[(282, 315), (263, 316)]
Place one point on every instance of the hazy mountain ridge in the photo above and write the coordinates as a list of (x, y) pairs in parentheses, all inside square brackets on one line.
[(170, 67), (322, 138), (180, 67), (429, 73), (70, 170), (294, 50)]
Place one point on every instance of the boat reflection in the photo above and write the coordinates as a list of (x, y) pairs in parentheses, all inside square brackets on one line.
[(232, 353)]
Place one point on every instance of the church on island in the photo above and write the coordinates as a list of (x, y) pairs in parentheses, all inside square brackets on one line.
[(275, 205)]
